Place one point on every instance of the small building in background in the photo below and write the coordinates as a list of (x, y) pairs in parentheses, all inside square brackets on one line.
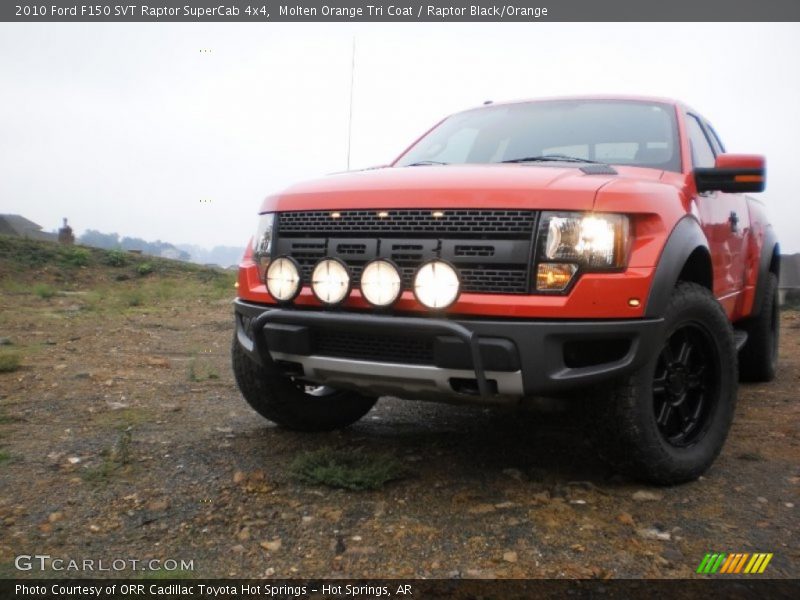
[(65, 235), (19, 226)]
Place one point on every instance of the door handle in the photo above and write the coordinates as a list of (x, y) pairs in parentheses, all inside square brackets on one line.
[(734, 221)]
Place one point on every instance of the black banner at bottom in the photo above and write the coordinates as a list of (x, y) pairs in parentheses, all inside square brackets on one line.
[(330, 589)]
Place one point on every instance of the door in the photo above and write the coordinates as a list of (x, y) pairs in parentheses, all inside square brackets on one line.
[(725, 219)]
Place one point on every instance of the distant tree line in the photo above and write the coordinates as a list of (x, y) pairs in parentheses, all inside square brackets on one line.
[(111, 241), (223, 256)]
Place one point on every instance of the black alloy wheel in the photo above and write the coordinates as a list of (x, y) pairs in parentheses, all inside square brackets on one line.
[(685, 394), (667, 422)]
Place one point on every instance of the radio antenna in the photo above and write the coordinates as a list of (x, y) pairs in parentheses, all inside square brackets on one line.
[(350, 118)]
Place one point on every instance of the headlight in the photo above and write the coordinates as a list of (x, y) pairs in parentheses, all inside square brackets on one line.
[(572, 241), (380, 283), (283, 279), (596, 241), (262, 243), (330, 281), (436, 284)]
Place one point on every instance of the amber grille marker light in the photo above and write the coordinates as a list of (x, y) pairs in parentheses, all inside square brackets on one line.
[(554, 276)]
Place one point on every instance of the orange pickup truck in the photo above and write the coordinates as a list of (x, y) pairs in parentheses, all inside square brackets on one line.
[(597, 248)]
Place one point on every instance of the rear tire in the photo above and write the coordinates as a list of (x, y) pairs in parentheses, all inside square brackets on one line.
[(290, 404), (758, 359), (667, 423)]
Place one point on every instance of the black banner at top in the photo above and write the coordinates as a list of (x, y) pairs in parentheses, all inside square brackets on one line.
[(262, 11)]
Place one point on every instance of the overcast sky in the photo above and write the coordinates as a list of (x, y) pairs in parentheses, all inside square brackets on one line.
[(127, 127)]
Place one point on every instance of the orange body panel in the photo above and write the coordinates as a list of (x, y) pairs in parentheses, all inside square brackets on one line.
[(655, 200)]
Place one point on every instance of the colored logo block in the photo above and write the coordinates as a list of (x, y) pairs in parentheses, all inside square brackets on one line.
[(736, 563)]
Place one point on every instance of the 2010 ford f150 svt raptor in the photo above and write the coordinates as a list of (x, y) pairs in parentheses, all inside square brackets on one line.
[(524, 249)]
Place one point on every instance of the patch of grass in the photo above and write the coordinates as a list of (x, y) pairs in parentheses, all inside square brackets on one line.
[(223, 286), (95, 298), (114, 458), (100, 474), (165, 289), (122, 419), (9, 361), (225, 283), (27, 253), (191, 370), (132, 297), (349, 469), (115, 258), (751, 456), (12, 286), (4, 456), (144, 269), (44, 291), (215, 283), (199, 370), (72, 256)]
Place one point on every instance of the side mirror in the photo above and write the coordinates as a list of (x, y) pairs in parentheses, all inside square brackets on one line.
[(733, 173)]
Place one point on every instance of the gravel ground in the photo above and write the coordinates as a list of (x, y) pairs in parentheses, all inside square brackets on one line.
[(123, 436)]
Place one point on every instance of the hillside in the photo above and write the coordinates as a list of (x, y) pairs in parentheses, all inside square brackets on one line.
[(72, 268)]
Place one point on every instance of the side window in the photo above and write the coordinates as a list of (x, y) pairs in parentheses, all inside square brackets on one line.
[(702, 154), (717, 143)]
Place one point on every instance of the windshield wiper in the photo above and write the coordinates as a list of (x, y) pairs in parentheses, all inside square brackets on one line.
[(425, 163), (551, 158)]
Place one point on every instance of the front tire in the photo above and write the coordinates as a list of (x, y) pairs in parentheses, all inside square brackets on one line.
[(293, 405), (667, 423)]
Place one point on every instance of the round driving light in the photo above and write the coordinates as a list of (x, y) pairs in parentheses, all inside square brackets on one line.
[(436, 284), (330, 281), (380, 283), (283, 279)]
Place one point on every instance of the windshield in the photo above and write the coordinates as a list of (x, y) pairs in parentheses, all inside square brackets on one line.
[(618, 132)]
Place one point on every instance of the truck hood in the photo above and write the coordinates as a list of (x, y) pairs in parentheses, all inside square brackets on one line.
[(511, 186)]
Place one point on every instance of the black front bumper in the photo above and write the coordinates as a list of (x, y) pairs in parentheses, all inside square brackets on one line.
[(484, 357)]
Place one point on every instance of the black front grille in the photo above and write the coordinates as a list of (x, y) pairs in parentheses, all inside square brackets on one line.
[(412, 222), (491, 249), (497, 281), (388, 348), (486, 281)]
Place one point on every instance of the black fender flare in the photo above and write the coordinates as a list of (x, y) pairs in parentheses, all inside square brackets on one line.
[(768, 249), (686, 237)]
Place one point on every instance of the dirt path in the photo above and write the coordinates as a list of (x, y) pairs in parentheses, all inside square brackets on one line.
[(123, 436)]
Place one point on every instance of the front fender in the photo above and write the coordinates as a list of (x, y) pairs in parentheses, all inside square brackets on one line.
[(686, 237)]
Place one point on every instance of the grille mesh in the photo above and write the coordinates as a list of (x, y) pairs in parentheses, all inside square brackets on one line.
[(411, 237), (452, 222), (487, 281), (389, 348), (502, 281)]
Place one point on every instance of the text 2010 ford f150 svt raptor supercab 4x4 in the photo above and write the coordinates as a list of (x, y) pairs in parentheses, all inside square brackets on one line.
[(524, 249)]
